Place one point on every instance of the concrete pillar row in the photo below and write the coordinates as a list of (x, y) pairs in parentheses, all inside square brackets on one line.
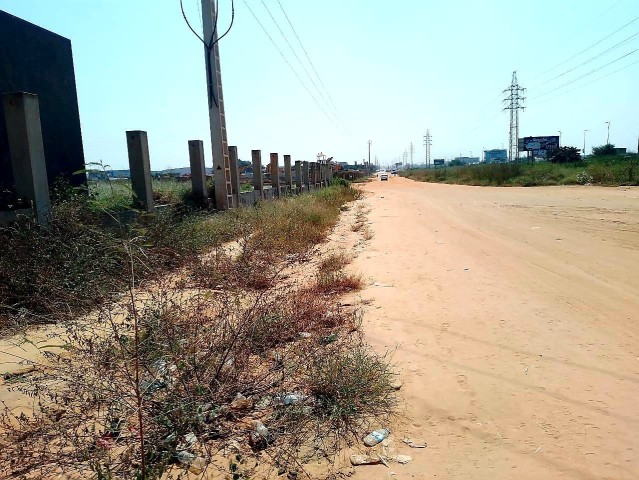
[(140, 167), (198, 171), (275, 174), (288, 174), (235, 176), (298, 176), (312, 178), (306, 174), (26, 150), (258, 183)]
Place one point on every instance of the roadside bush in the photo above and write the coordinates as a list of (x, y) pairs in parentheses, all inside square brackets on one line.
[(349, 385), (565, 155), (604, 150)]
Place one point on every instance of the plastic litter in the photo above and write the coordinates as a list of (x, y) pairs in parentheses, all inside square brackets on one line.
[(289, 399), (375, 437)]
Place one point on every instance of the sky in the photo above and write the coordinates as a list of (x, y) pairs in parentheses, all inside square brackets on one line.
[(386, 72)]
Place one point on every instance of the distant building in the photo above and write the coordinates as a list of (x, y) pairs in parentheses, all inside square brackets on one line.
[(620, 150), (496, 155), (466, 160)]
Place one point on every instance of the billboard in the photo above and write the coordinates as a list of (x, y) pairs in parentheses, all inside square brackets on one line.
[(539, 146), (438, 161)]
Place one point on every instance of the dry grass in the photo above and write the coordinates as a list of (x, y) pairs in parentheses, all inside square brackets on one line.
[(334, 262), (338, 282), (81, 261)]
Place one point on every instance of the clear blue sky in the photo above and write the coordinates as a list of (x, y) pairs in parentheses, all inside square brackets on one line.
[(393, 69)]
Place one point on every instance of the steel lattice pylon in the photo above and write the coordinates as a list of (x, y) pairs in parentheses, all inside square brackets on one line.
[(514, 102)]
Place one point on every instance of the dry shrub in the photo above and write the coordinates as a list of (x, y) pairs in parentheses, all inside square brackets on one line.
[(347, 392), (334, 262), (338, 282), (357, 225), (367, 234)]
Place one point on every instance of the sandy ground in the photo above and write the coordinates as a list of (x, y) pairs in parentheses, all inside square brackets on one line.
[(513, 312)]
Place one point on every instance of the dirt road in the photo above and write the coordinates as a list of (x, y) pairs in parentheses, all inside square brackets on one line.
[(515, 314)]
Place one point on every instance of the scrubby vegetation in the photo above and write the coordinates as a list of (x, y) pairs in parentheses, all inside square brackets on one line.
[(204, 369), (83, 258), (603, 170)]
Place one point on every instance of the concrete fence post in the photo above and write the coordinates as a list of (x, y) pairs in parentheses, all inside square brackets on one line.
[(306, 174), (198, 171), (236, 188), (275, 174), (258, 185), (288, 174), (298, 176), (140, 168), (26, 150)]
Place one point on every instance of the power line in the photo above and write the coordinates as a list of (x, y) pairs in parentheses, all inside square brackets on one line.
[(626, 40), (296, 56), (589, 47), (289, 65), (485, 122), (587, 74), (597, 18), (307, 56), (589, 83)]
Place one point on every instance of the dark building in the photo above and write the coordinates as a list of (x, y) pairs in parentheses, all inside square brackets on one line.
[(35, 60)]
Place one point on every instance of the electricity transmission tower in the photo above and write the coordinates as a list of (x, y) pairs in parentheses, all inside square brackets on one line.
[(428, 141), (405, 157), (412, 152), (514, 102)]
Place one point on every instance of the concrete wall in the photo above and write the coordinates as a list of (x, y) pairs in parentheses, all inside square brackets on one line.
[(37, 61)]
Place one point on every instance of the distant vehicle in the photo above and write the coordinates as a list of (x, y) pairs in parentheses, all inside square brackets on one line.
[(383, 176), (394, 172)]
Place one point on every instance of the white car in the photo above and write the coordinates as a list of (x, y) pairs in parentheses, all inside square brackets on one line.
[(383, 176)]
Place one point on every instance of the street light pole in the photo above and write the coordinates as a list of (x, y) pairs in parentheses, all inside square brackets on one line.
[(369, 153), (585, 142)]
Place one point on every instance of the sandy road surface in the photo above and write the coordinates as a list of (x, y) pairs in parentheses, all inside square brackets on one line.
[(515, 313)]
